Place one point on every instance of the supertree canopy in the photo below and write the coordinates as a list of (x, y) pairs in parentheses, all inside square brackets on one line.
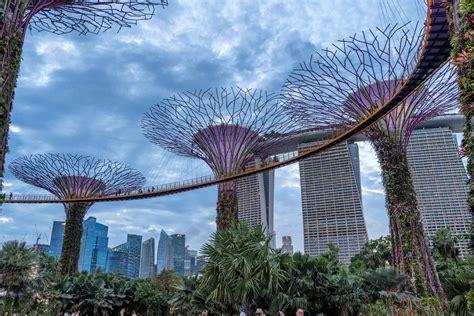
[(73, 176), (226, 128), (59, 17), (342, 87)]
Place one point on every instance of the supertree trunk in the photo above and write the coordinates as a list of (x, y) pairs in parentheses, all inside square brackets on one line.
[(75, 213), (227, 206), (461, 23), (410, 250), (10, 55)]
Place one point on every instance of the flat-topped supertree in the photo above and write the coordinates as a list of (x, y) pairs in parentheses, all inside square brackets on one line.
[(226, 128), (58, 17), (70, 176), (342, 87)]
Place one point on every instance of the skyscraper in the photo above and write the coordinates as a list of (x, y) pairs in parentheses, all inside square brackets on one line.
[(331, 201), (57, 236), (117, 259), (287, 246), (147, 261), (255, 196), (440, 182), (94, 246), (41, 248), (178, 252), (189, 261), (134, 247), (163, 255)]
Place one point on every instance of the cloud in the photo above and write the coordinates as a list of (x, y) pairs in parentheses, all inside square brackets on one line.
[(41, 72), (5, 220)]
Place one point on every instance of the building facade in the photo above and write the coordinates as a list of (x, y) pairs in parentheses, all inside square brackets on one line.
[(94, 246), (178, 251), (440, 182), (134, 249), (117, 259), (41, 248), (57, 236), (163, 254), (255, 195), (147, 261), (287, 246), (332, 202)]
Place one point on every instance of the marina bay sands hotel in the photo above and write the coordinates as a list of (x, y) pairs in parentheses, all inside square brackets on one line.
[(331, 191)]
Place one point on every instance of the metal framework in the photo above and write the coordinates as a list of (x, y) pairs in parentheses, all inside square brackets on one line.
[(343, 86), (71, 176), (226, 128), (58, 17), (434, 53)]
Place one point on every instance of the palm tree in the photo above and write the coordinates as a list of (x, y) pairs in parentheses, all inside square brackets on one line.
[(17, 268), (183, 301), (460, 291), (374, 254), (445, 244), (242, 268)]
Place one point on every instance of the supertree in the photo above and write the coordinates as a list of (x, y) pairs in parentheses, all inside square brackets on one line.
[(461, 22), (70, 176), (342, 87), (58, 17), (226, 128)]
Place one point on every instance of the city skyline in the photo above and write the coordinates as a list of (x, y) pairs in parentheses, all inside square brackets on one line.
[(46, 97)]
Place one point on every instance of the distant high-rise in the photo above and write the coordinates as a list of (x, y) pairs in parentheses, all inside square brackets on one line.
[(94, 246), (440, 182), (331, 201), (189, 262), (178, 252), (255, 196), (147, 261), (117, 259), (287, 246), (41, 248), (163, 255), (134, 246), (57, 236)]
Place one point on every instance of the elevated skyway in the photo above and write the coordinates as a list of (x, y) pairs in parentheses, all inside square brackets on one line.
[(453, 121)]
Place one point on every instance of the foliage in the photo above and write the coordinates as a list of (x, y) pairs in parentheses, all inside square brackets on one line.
[(462, 34), (242, 268), (374, 254), (17, 267), (444, 243)]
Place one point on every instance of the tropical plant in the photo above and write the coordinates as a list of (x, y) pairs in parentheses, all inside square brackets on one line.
[(17, 267), (242, 268), (444, 243), (459, 289), (374, 254)]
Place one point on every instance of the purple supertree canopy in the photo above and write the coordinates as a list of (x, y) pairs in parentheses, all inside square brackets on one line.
[(227, 147), (82, 16), (76, 186), (226, 128), (72, 176), (345, 85)]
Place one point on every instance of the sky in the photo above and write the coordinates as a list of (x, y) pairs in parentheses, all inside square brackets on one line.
[(88, 94)]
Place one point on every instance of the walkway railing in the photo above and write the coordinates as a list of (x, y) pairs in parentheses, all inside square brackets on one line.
[(434, 53)]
